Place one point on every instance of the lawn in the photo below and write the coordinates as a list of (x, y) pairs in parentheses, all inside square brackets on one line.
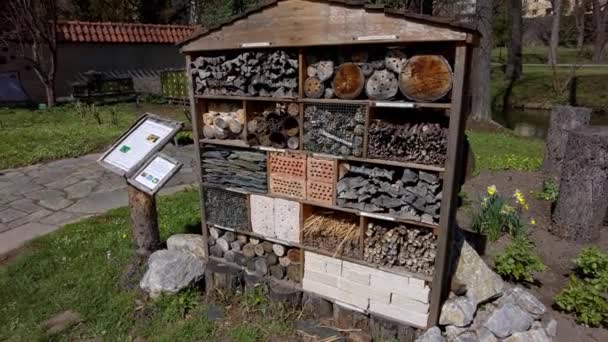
[(80, 268), (505, 151), (32, 136), (538, 55)]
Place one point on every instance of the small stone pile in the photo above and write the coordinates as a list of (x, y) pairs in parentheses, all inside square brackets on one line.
[(235, 168), (490, 310), (334, 129), (409, 194)]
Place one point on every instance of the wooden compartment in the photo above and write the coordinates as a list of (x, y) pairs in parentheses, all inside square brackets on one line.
[(331, 231), (226, 209), (224, 121), (334, 128), (235, 168), (273, 124), (413, 135)]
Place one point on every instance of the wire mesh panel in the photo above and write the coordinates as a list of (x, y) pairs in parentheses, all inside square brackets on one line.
[(226, 209), (334, 128)]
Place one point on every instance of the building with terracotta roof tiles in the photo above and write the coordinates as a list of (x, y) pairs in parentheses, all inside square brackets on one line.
[(141, 51)]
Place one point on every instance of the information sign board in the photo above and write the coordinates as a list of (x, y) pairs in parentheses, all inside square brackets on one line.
[(151, 177)]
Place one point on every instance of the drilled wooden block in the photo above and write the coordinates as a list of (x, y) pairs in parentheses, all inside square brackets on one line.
[(287, 220), (320, 192), (293, 188), (287, 165), (262, 215), (321, 170)]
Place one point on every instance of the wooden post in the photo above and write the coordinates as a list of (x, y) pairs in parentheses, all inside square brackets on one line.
[(144, 221)]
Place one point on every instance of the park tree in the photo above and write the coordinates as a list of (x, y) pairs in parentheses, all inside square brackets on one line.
[(514, 61), (579, 10), (555, 27), (34, 33), (600, 17), (481, 106)]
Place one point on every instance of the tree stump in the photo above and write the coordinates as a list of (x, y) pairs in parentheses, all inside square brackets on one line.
[(426, 78), (146, 236), (563, 118), (349, 81), (583, 191), (382, 85)]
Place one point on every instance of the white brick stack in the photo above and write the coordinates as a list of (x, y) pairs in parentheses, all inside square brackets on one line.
[(397, 297), (275, 218)]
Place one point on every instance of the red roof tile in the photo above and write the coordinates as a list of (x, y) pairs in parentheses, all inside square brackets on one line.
[(93, 32)]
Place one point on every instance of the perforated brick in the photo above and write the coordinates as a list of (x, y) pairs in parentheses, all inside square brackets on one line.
[(320, 192), (287, 220), (262, 215), (293, 188), (287, 165), (321, 170)]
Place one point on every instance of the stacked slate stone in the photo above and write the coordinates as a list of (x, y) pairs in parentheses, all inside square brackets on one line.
[(334, 129), (424, 143), (261, 73), (258, 257), (229, 168), (226, 209), (405, 193), (409, 248)]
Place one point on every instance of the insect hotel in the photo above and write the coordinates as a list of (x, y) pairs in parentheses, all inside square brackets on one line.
[(329, 144)]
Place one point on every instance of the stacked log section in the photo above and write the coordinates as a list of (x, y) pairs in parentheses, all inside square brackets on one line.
[(334, 129), (226, 209), (405, 193), (349, 81), (423, 143), (398, 246), (224, 125), (277, 126), (232, 168), (261, 73), (426, 78), (259, 258), (333, 232)]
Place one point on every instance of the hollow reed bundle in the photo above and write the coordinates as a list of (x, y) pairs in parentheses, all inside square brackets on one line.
[(333, 231)]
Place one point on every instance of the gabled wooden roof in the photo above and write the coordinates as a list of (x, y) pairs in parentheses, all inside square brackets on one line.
[(315, 23)]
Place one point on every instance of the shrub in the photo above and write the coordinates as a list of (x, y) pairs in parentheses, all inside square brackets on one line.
[(550, 190), (592, 263), (497, 216), (518, 261)]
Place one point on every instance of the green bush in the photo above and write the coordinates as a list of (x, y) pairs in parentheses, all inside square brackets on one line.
[(592, 264), (550, 191), (518, 261)]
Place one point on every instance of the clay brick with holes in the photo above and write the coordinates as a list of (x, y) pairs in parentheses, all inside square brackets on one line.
[(320, 192), (321, 170), (287, 165), (292, 188)]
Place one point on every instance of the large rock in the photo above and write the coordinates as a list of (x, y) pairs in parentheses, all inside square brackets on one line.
[(431, 335), (508, 319), (537, 335), (170, 271), (486, 335), (482, 284), (458, 311), (524, 299), (468, 336), (192, 243)]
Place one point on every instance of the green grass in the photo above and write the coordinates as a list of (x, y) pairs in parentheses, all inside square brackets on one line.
[(79, 268), (538, 55), (32, 136), (505, 151)]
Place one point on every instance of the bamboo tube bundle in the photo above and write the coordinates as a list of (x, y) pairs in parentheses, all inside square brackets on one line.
[(333, 231), (276, 127)]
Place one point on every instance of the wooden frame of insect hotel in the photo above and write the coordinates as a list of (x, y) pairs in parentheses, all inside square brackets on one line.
[(330, 145)]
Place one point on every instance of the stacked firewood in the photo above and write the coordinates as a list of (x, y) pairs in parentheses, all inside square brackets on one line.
[(277, 127), (424, 143), (412, 249), (226, 209), (380, 77), (334, 232), (235, 169), (334, 129), (223, 125), (406, 193), (258, 257), (261, 73)]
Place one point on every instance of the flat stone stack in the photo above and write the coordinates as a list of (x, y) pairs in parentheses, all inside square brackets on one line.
[(398, 246), (406, 193), (270, 73), (226, 209), (235, 169), (334, 129)]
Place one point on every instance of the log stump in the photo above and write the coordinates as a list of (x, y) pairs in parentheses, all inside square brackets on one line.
[(426, 78), (583, 191), (349, 81), (563, 118), (142, 207)]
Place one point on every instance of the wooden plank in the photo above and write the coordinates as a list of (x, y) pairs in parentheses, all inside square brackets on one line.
[(447, 221), (366, 131)]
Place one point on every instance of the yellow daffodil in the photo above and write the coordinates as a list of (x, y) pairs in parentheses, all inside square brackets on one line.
[(526, 206), (533, 222), (519, 197), (124, 236), (492, 190)]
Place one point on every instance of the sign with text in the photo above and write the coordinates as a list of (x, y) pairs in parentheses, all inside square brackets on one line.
[(147, 136), (155, 173)]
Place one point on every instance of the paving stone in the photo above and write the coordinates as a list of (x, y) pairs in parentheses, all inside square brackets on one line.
[(44, 194), (61, 218), (25, 205), (21, 188), (11, 214), (3, 228), (56, 203), (17, 237), (4, 184), (100, 202), (5, 199), (63, 183), (34, 217), (80, 190)]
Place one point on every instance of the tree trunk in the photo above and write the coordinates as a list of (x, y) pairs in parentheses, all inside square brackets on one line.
[(144, 221), (481, 106), (600, 13), (579, 19), (514, 61), (49, 87), (554, 41)]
